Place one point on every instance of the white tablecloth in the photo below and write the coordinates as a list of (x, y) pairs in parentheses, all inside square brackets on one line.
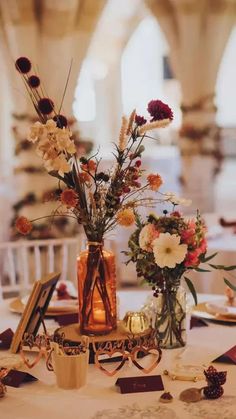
[(99, 399)]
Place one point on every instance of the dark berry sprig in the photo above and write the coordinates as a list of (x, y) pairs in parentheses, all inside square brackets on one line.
[(215, 380), (44, 106)]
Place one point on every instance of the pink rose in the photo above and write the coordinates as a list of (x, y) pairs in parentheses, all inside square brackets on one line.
[(188, 236), (203, 246), (146, 237), (192, 258)]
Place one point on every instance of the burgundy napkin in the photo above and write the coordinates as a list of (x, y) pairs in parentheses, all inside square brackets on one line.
[(229, 357), (224, 223), (140, 384), (196, 322), (16, 378), (6, 338), (65, 319)]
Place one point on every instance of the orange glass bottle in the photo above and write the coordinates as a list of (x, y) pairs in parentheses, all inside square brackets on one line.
[(97, 290)]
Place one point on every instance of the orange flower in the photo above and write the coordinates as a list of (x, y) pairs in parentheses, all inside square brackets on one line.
[(84, 177), (90, 166), (229, 293), (155, 181), (69, 198), (23, 225), (126, 217)]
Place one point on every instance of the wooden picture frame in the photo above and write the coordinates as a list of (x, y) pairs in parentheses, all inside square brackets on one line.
[(35, 308)]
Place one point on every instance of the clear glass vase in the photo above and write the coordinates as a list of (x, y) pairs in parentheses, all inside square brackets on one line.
[(167, 314), (97, 290)]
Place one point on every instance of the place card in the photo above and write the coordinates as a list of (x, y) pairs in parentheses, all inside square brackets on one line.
[(228, 357), (6, 338), (16, 378), (140, 384)]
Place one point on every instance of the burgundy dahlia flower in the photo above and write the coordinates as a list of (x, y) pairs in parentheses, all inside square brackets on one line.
[(140, 120), (159, 110)]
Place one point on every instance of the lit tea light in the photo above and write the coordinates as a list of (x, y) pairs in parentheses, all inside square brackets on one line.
[(135, 322), (99, 315)]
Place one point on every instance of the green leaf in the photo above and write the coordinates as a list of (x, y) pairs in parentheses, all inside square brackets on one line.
[(191, 288), (132, 244), (223, 267), (138, 220), (227, 282), (206, 259), (229, 268), (201, 270), (216, 266)]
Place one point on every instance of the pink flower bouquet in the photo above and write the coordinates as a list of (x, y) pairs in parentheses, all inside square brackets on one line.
[(164, 248)]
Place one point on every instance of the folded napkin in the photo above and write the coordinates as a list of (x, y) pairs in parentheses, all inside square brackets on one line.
[(196, 322), (67, 318), (6, 339), (229, 357), (16, 378), (225, 223)]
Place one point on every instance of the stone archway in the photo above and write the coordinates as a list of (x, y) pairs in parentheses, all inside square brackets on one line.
[(197, 32)]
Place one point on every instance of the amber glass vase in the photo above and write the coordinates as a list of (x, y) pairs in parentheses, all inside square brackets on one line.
[(97, 290)]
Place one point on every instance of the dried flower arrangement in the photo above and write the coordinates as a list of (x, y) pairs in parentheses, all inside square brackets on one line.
[(98, 200), (163, 248)]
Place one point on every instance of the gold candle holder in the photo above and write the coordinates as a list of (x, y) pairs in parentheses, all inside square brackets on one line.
[(136, 322)]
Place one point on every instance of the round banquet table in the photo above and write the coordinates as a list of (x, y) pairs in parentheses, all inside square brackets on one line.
[(100, 399)]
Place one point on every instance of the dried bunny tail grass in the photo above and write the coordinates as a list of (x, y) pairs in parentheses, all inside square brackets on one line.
[(123, 136), (143, 202), (130, 122), (155, 124), (135, 203)]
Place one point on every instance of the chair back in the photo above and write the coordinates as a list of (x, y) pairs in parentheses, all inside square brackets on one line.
[(24, 261)]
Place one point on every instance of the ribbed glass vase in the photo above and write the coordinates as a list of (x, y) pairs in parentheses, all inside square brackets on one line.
[(167, 315), (170, 317)]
